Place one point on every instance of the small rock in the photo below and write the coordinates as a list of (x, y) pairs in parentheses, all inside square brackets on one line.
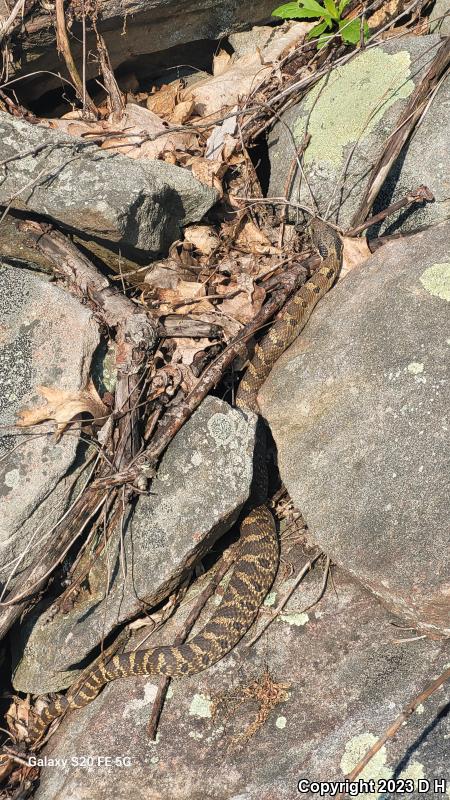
[(36, 349), (203, 481), (358, 408), (350, 116), (141, 204)]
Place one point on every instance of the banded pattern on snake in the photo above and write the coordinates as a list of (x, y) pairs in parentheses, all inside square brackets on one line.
[(257, 561)]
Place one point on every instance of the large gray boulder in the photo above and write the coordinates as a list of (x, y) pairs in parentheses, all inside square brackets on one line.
[(343, 677), (358, 407), (47, 338), (203, 482), (350, 115), (137, 203)]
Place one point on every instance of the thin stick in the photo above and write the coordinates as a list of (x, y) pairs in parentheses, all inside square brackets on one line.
[(64, 46), (9, 23), (323, 586), (181, 637), (284, 600), (395, 726), (420, 195)]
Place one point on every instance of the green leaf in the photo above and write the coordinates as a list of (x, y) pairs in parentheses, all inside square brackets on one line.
[(331, 8), (343, 4), (312, 5), (318, 29), (293, 11), (289, 11), (350, 30)]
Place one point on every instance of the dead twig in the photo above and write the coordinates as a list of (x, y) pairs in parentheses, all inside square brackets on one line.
[(135, 336), (11, 22), (33, 579), (116, 100), (395, 726), (63, 45), (420, 195), (279, 608)]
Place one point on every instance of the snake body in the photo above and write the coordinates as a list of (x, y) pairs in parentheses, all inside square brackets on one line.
[(257, 561)]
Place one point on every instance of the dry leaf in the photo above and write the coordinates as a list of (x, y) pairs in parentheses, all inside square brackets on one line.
[(138, 121), (188, 296), (251, 239), (356, 251), (221, 62), (169, 157), (163, 101), (63, 405), (244, 75), (215, 143), (135, 125), (187, 349), (204, 238), (164, 274), (17, 717), (246, 303), (208, 171), (388, 11), (182, 112)]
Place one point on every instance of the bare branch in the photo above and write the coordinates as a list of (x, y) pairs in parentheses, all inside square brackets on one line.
[(395, 727), (420, 195)]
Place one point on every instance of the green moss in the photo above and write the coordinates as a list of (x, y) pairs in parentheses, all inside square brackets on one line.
[(270, 599), (295, 618), (355, 749), (415, 367), (200, 706), (372, 82), (436, 280)]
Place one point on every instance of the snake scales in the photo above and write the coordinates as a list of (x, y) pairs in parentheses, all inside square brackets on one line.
[(257, 561)]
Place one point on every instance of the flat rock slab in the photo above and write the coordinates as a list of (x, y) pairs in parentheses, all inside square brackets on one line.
[(140, 204), (202, 484), (346, 675), (46, 338), (358, 409), (350, 116)]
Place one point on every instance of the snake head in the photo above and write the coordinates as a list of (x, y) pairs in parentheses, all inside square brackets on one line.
[(325, 239)]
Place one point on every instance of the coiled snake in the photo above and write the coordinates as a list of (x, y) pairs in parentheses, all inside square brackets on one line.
[(257, 561)]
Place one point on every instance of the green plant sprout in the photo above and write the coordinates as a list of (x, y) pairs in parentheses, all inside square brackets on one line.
[(330, 15)]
